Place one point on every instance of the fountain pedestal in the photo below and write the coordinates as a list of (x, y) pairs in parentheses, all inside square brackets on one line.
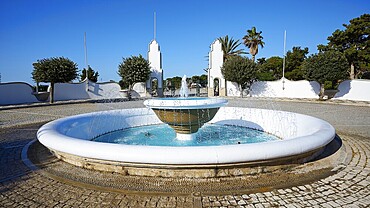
[(185, 122), (185, 115), (186, 137)]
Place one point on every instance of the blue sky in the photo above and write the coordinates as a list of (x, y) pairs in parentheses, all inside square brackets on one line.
[(32, 30)]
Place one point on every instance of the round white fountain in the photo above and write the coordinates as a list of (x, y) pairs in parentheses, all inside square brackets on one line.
[(302, 138)]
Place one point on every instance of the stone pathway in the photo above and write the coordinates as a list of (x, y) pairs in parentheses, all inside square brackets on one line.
[(348, 188), (22, 187)]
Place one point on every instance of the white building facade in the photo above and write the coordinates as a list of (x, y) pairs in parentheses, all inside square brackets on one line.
[(216, 81), (155, 60)]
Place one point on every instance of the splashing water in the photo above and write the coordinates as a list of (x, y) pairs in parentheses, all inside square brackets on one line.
[(184, 87), (163, 135)]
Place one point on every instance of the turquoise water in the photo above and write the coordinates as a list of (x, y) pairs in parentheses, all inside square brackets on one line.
[(208, 135), (183, 98)]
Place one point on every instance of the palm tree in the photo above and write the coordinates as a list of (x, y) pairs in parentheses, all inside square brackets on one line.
[(252, 40), (229, 47)]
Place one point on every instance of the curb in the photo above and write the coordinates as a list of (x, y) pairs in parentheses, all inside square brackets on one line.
[(31, 105)]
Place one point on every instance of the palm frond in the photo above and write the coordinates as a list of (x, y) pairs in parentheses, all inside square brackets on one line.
[(229, 46), (252, 40)]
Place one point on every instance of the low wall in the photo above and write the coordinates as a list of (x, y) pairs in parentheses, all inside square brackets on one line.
[(274, 89), (70, 91), (354, 90), (292, 89), (139, 90), (16, 93), (77, 91), (20, 92)]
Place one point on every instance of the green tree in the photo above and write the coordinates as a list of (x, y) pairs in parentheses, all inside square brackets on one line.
[(240, 70), (123, 85), (265, 76), (364, 69), (195, 79), (229, 47), (294, 60), (174, 82), (91, 74), (133, 70), (354, 42), (261, 61), (54, 70), (271, 69), (252, 40), (203, 80), (366, 75), (325, 66)]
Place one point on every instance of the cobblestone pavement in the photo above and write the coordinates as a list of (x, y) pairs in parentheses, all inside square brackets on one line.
[(348, 188), (22, 187)]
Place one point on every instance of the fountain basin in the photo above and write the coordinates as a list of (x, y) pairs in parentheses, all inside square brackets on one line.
[(185, 115), (185, 103), (302, 138)]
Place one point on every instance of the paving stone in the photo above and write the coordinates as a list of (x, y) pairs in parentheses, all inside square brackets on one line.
[(242, 202), (21, 187), (245, 196), (225, 203)]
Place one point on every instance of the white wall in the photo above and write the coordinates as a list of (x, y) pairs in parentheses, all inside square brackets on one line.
[(232, 89), (70, 91), (16, 93), (354, 90), (292, 89), (140, 89), (106, 90), (77, 91), (20, 92), (274, 89)]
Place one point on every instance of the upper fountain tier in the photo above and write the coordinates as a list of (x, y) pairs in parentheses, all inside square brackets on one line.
[(185, 103), (185, 115)]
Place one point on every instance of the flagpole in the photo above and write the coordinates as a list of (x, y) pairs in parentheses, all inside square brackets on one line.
[(87, 66), (155, 24), (284, 59)]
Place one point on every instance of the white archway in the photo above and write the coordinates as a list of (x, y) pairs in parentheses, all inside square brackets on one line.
[(155, 60)]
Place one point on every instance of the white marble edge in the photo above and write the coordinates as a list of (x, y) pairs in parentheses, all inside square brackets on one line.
[(311, 134), (185, 103)]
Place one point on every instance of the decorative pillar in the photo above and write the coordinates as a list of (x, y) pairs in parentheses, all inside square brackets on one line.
[(155, 59)]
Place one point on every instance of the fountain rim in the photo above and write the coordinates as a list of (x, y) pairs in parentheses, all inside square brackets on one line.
[(185, 103), (50, 135)]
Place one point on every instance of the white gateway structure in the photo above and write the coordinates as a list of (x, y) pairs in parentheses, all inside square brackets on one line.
[(217, 85), (216, 81), (155, 81)]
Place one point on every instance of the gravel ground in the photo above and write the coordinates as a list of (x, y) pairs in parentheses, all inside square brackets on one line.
[(36, 114), (349, 119)]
